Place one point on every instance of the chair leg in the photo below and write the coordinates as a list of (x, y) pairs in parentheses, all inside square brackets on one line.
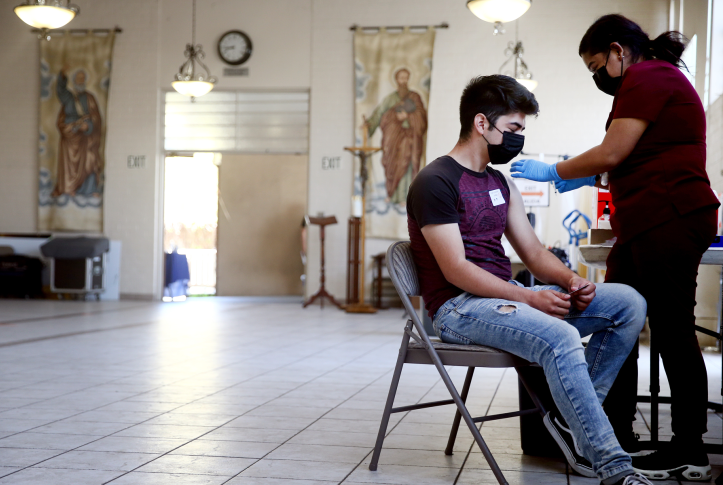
[(458, 415), (654, 390), (467, 418), (390, 400)]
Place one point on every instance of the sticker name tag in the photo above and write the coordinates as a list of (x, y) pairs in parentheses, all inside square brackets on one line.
[(497, 198)]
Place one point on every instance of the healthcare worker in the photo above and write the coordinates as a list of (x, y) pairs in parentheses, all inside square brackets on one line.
[(653, 157)]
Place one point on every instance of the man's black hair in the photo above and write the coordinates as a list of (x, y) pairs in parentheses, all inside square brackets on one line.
[(493, 96)]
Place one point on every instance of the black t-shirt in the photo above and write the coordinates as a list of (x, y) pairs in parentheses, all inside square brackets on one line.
[(445, 192)]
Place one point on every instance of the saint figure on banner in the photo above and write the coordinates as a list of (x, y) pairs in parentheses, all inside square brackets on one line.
[(79, 164), (403, 121)]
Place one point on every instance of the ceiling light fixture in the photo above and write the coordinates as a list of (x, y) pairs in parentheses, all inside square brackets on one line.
[(46, 14), (188, 82), (519, 70), (498, 12)]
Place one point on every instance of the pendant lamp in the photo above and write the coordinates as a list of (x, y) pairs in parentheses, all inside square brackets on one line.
[(46, 14), (499, 10), (188, 82), (519, 68)]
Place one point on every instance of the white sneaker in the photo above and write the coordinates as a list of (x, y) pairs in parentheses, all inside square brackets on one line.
[(636, 479)]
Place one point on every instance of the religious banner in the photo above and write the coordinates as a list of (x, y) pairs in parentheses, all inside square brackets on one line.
[(74, 83), (393, 73)]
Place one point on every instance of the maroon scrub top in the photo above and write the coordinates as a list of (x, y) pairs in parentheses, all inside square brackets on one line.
[(665, 173)]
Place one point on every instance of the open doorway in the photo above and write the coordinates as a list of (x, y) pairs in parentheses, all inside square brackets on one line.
[(190, 223)]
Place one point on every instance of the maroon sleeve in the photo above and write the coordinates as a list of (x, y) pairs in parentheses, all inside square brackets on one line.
[(643, 93)]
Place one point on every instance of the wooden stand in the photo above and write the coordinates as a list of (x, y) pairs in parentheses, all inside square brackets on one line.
[(363, 152), (322, 222), (352, 269)]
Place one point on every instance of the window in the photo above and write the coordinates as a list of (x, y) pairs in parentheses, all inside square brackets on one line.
[(243, 122), (690, 59)]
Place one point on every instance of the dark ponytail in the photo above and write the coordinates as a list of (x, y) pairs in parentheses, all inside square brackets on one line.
[(616, 28), (669, 46)]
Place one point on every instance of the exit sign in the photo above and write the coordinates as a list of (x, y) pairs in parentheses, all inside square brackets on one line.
[(136, 161)]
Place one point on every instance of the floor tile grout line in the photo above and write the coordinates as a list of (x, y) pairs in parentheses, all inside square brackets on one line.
[(136, 424), (252, 409), (434, 384), (84, 332), (393, 427), (310, 358), (151, 390), (474, 442), (74, 334), (322, 416), (70, 315)]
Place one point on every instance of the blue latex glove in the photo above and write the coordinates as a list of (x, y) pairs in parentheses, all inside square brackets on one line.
[(567, 185), (535, 170)]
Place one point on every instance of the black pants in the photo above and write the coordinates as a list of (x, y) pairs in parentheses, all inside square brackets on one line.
[(662, 264)]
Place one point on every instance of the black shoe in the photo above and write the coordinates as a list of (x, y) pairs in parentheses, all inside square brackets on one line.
[(636, 479), (630, 443), (676, 460), (562, 435)]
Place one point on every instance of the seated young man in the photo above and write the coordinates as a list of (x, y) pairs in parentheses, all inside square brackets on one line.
[(458, 208)]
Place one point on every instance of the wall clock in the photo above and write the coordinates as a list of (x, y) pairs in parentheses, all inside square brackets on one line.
[(234, 47)]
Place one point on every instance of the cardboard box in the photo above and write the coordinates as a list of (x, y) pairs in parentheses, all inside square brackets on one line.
[(599, 236)]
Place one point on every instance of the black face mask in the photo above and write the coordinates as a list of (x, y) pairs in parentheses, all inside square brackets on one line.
[(510, 147), (603, 80)]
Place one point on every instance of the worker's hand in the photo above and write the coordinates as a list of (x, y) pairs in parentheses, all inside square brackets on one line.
[(534, 170), (552, 302), (582, 299), (567, 185)]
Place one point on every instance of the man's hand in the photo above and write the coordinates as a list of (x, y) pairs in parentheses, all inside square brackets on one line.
[(582, 299), (551, 302)]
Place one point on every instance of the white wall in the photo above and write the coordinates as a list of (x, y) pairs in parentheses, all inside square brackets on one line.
[(146, 56), (132, 128), (573, 111), (297, 44), (279, 31)]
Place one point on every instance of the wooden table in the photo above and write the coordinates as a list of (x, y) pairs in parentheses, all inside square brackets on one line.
[(595, 256)]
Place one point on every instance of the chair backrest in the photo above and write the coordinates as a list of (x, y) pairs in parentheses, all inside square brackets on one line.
[(401, 268), (6, 250), (404, 277)]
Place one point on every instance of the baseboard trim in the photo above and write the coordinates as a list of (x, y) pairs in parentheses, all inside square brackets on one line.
[(137, 297), (262, 299)]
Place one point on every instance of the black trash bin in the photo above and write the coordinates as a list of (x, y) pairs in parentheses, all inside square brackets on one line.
[(534, 437), (77, 265), (20, 276)]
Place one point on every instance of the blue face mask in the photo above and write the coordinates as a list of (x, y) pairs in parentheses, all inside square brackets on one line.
[(510, 147)]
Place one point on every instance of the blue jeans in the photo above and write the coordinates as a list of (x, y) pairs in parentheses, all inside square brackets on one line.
[(579, 379)]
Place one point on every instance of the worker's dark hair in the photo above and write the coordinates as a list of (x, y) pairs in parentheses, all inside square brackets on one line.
[(493, 96), (668, 46)]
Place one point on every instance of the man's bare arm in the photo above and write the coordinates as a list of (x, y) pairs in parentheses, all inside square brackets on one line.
[(541, 262), (538, 260), (445, 241)]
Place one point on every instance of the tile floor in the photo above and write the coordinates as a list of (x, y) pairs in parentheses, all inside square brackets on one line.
[(222, 391)]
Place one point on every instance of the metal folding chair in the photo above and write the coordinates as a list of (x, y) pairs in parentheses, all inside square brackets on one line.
[(423, 350)]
